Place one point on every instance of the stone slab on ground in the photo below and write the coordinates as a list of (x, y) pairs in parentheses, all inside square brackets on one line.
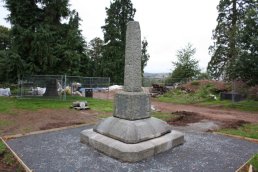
[(62, 151), (131, 152)]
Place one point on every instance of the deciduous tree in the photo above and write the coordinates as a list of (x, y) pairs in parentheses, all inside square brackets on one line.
[(186, 67)]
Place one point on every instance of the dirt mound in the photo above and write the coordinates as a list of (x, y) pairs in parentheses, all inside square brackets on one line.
[(235, 124), (193, 86), (184, 117)]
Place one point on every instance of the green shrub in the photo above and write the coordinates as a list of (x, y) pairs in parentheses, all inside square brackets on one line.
[(206, 92)]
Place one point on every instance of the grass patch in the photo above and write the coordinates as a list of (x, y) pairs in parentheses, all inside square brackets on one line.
[(247, 105), (6, 157), (10, 104), (2, 148), (204, 94), (165, 116), (205, 97), (103, 116), (247, 130), (5, 123), (254, 162)]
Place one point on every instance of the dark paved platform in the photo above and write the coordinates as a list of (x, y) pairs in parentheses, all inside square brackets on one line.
[(62, 151)]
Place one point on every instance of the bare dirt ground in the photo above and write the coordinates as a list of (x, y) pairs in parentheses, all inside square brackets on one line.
[(191, 117), (27, 121), (212, 113), (190, 114)]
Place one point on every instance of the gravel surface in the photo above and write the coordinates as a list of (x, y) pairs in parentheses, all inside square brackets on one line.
[(62, 151)]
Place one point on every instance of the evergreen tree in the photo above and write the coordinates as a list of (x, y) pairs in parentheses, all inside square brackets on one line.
[(95, 54), (235, 40), (23, 17), (119, 14), (145, 54), (246, 65), (45, 43), (4, 46), (10, 62), (224, 49), (186, 67), (4, 38)]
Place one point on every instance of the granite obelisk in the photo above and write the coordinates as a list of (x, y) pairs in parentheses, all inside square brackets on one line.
[(132, 76), (131, 134)]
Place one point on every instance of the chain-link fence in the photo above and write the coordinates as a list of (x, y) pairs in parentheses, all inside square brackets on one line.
[(60, 86), (149, 81)]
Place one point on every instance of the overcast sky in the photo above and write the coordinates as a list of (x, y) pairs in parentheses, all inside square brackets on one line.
[(168, 25)]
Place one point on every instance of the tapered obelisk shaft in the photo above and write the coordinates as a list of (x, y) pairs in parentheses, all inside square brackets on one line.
[(132, 76)]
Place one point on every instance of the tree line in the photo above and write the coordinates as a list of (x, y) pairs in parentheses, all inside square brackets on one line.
[(234, 54), (45, 39)]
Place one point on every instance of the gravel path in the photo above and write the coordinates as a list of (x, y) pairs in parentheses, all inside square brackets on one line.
[(62, 151)]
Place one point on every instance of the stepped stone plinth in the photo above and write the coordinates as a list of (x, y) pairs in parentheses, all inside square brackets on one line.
[(132, 134)]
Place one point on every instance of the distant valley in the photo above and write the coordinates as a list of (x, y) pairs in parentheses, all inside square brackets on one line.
[(155, 75)]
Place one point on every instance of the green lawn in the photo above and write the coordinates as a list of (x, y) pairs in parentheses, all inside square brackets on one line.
[(10, 104), (163, 116), (247, 130), (8, 159), (254, 162), (247, 105)]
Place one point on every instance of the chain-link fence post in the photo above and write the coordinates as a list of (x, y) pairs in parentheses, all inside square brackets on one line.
[(65, 87)]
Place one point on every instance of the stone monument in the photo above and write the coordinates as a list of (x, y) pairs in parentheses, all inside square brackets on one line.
[(131, 134)]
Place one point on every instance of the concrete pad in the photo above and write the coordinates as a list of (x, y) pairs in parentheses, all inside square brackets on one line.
[(132, 131), (131, 152)]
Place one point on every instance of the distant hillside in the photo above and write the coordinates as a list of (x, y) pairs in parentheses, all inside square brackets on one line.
[(155, 75)]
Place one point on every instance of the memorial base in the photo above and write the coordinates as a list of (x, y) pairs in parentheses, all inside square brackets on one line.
[(131, 152)]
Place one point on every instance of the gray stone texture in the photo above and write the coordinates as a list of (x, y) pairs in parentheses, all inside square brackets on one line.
[(132, 105), (132, 76), (131, 152), (132, 132), (62, 151)]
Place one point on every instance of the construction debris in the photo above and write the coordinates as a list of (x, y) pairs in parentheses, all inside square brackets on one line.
[(83, 105), (157, 90)]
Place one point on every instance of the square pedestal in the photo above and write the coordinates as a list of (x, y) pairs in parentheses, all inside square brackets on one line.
[(131, 152)]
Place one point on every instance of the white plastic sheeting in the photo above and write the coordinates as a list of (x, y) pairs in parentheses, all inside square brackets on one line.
[(38, 91), (115, 87), (5, 92)]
